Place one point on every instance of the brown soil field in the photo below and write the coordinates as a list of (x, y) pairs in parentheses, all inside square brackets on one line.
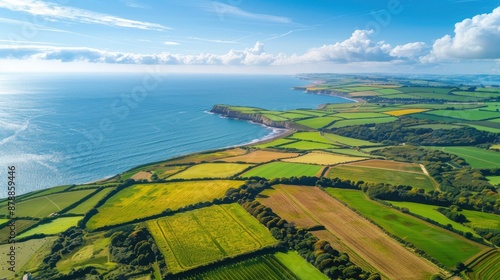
[(389, 164), (142, 175), (259, 156), (306, 206)]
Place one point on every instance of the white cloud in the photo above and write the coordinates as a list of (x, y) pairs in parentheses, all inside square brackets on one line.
[(213, 40), (474, 38), (222, 10), (410, 50), (170, 43), (53, 11)]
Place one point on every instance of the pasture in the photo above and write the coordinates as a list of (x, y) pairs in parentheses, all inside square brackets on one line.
[(53, 227), (211, 170), (318, 122), (377, 175), (205, 235), (323, 158), (24, 252), (475, 157), (351, 122), (144, 200), (315, 113), (482, 220), (485, 128), (387, 91), (494, 180), (468, 115), (389, 164), (43, 206), (275, 143), (308, 206), (446, 247), (283, 169), (308, 145), (348, 115), (337, 139), (20, 226), (259, 156), (486, 267), (88, 204), (197, 158), (310, 136), (350, 152)]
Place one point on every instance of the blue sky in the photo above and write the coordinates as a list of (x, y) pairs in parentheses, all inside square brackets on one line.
[(402, 36)]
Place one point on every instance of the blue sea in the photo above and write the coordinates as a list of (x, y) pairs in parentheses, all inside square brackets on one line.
[(62, 129)]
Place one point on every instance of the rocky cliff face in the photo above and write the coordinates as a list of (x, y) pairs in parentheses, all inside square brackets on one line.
[(258, 118)]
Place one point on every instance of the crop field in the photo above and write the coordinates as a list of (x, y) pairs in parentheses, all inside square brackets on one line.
[(425, 90), (446, 247), (494, 180), (24, 251), (337, 139), (377, 175), (350, 152), (43, 206), (482, 220), (260, 156), (308, 145), (267, 267), (211, 170), (429, 211), (343, 123), (476, 157), (477, 94), (54, 227), (486, 268), (197, 158), (437, 126), (88, 204), (306, 206), (469, 115), (205, 235), (310, 136), (283, 169), (323, 158), (389, 164), (274, 143), (495, 147), (318, 122), (348, 115), (4, 221), (403, 112), (293, 116), (386, 91), (143, 200)]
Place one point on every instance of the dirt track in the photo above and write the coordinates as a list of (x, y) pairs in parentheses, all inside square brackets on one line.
[(306, 206)]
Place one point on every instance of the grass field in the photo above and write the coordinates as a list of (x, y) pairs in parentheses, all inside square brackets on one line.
[(318, 122), (494, 180), (283, 169), (143, 200), (315, 113), (389, 164), (403, 112), (307, 206), (350, 152), (343, 123), (475, 157), (205, 235), (260, 156), (211, 170), (197, 158), (43, 206), (310, 136), (274, 143), (88, 204), (386, 91), (359, 115), (485, 128), (294, 116), (275, 118), (377, 175), (266, 267), (308, 145), (429, 211), (436, 126), (337, 139), (20, 226), (482, 220), (54, 227), (469, 115), (24, 252), (323, 158), (446, 247), (486, 268)]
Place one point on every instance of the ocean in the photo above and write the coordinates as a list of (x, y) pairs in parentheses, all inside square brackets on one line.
[(63, 129)]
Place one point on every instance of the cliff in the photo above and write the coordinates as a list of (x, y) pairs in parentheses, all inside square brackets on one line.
[(258, 118)]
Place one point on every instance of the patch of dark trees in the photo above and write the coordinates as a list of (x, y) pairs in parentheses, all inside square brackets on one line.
[(320, 253), (401, 131)]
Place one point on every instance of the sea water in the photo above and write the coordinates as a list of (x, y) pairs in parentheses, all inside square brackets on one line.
[(62, 129)]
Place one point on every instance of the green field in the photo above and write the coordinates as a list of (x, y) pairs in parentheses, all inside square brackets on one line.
[(211, 170), (315, 113), (429, 211), (359, 115), (88, 204), (307, 145), (43, 206), (475, 157), (275, 117), (318, 122), (494, 180), (274, 143), (294, 116), (350, 152), (487, 268), (380, 175), (300, 267), (485, 128), (482, 220), (388, 91), (205, 235), (24, 252), (34, 194), (469, 115), (480, 94), (54, 227), (436, 90), (310, 136), (362, 121), (446, 247), (20, 226), (283, 169), (348, 141), (144, 200)]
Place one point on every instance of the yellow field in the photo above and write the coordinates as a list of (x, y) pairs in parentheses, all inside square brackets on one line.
[(323, 158), (495, 147), (144, 200), (196, 158), (260, 156), (405, 112), (211, 170)]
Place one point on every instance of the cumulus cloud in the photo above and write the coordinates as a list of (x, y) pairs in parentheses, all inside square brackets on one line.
[(474, 38), (410, 50), (54, 11)]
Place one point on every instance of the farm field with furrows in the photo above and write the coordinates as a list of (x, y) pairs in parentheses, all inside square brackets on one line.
[(144, 200), (309, 206), (193, 238)]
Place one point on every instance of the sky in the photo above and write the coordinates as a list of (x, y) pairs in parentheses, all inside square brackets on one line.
[(251, 36)]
